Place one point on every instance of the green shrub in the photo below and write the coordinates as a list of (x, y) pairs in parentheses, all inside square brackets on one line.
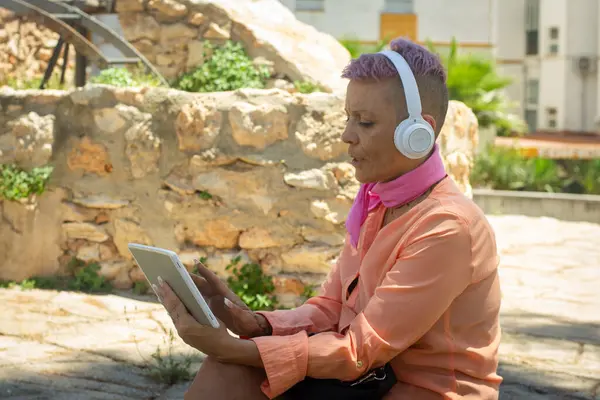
[(508, 169), (475, 81), (168, 368), (307, 87), (17, 184), (126, 77), (356, 48), (503, 168), (252, 285), (86, 278), (226, 68), (141, 288), (582, 176), (309, 291), (204, 195), (32, 83)]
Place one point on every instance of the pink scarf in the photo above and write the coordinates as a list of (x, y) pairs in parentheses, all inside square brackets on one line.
[(401, 190)]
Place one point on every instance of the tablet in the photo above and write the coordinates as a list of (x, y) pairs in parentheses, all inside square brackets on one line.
[(155, 262)]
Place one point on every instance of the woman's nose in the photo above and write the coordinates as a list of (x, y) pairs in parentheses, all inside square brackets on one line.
[(349, 136)]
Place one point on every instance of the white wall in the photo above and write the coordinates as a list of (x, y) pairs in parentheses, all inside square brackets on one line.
[(516, 90), (562, 85), (553, 91), (597, 119), (510, 48), (510, 26), (344, 19), (581, 40), (582, 21), (467, 20)]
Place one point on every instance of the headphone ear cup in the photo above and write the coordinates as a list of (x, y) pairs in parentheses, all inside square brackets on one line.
[(414, 138), (399, 138)]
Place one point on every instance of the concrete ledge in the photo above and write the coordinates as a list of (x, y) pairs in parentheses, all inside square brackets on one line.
[(567, 207)]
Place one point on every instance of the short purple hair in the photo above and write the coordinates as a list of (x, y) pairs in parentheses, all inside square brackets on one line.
[(426, 66), (377, 66)]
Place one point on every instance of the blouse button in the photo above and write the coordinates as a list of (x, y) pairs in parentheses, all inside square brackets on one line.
[(359, 364)]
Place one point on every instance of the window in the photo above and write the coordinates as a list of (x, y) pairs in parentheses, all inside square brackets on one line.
[(310, 5), (531, 120), (532, 23), (553, 36), (533, 89), (551, 117), (531, 45), (399, 6)]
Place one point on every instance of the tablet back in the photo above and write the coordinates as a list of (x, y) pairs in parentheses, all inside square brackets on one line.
[(155, 262)]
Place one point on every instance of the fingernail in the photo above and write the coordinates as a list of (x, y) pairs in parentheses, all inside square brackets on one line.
[(228, 303), (155, 288), (160, 281)]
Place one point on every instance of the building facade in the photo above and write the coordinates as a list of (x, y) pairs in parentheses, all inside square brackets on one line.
[(420, 20), (549, 48)]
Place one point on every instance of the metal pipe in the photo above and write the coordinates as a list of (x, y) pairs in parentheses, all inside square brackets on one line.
[(65, 64), (583, 102), (52, 62)]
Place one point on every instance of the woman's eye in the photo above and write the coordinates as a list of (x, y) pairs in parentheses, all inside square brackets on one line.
[(366, 124)]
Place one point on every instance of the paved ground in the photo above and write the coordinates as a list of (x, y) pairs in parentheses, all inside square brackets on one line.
[(72, 346)]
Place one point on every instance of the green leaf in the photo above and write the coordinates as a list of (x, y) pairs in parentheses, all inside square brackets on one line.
[(16, 184), (226, 68), (474, 80)]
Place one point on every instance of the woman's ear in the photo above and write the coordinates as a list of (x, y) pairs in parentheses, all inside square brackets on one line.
[(430, 120)]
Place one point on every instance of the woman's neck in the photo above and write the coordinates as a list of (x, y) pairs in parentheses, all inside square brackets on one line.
[(410, 165)]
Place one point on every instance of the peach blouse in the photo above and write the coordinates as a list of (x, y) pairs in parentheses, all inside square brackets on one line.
[(427, 299)]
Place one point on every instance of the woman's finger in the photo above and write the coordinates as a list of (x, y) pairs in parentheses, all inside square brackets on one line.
[(203, 285), (206, 273), (215, 285), (243, 318), (174, 306), (167, 297)]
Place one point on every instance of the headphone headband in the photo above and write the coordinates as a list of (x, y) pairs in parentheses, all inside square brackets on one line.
[(411, 90)]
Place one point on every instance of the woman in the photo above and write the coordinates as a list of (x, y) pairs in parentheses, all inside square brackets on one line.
[(414, 297)]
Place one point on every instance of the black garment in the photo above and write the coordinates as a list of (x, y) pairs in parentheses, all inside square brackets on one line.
[(372, 386)]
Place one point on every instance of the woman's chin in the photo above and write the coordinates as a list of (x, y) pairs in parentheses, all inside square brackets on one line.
[(361, 176)]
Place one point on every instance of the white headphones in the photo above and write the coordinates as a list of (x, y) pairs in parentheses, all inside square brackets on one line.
[(414, 137)]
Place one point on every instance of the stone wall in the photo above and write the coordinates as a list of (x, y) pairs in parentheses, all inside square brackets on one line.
[(172, 34), (256, 173), (26, 48)]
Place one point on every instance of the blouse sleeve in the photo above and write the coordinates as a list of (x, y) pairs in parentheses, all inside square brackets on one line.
[(431, 271), (317, 314)]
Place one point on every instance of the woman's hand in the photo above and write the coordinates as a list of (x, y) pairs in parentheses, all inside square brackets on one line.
[(217, 343), (227, 306)]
